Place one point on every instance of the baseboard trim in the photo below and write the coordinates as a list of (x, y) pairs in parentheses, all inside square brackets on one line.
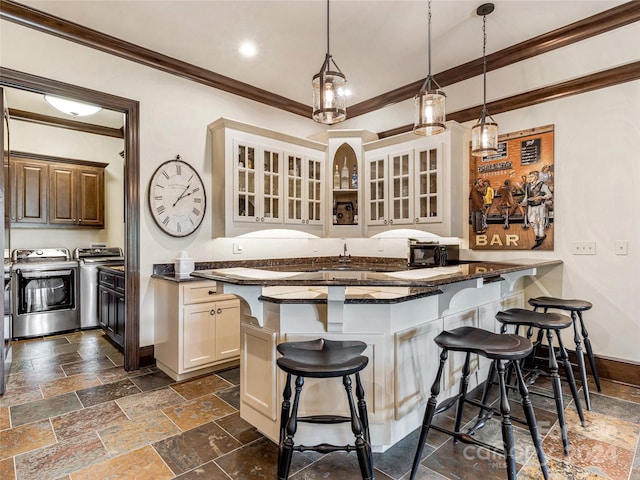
[(614, 370)]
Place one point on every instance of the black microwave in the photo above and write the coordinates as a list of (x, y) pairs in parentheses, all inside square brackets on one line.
[(431, 254)]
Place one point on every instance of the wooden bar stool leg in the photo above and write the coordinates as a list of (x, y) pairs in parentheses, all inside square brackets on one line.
[(557, 391), (362, 410), (531, 420), (285, 452), (571, 379), (580, 359), (363, 448), (507, 427), (428, 414), (464, 385), (286, 406), (587, 345)]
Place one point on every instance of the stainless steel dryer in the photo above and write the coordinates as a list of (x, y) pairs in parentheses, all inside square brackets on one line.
[(90, 259)]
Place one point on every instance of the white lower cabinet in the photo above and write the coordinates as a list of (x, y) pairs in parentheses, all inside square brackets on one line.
[(196, 330)]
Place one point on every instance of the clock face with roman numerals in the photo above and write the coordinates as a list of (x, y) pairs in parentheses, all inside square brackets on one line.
[(177, 198)]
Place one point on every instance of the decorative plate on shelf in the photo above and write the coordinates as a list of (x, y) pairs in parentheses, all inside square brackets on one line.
[(345, 213)]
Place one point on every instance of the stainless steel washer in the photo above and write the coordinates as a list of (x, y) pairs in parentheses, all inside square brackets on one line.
[(44, 285), (90, 259)]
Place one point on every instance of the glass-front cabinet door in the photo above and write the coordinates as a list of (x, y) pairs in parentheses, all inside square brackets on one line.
[(428, 180), (377, 187), (390, 189), (257, 184), (304, 186), (401, 188), (272, 210)]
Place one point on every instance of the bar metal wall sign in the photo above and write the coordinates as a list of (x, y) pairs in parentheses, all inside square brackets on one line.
[(511, 194)]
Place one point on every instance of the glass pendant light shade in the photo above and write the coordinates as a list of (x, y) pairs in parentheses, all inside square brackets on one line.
[(329, 94), (429, 112), (329, 90), (484, 138), (429, 103), (484, 134)]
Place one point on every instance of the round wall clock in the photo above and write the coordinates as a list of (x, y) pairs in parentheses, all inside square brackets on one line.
[(177, 199)]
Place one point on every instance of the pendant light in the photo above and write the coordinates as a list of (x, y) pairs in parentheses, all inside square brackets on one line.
[(329, 90), (430, 101), (484, 134)]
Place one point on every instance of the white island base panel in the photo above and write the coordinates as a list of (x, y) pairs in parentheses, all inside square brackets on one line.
[(403, 358)]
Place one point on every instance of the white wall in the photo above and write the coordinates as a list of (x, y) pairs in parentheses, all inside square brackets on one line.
[(596, 161), (60, 142)]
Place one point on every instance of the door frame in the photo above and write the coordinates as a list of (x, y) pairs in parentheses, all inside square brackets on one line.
[(131, 110)]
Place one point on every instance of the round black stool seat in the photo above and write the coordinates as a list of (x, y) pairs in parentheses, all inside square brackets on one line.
[(504, 350), (520, 316), (560, 303), (485, 343), (322, 358)]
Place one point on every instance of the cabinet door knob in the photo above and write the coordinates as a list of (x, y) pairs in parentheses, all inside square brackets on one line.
[(417, 220), (219, 311), (385, 222), (262, 219), (212, 312), (211, 292), (257, 219), (390, 221)]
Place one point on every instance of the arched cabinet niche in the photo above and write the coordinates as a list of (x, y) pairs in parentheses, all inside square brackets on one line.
[(345, 181)]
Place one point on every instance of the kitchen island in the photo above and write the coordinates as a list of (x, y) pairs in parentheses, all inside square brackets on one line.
[(396, 312)]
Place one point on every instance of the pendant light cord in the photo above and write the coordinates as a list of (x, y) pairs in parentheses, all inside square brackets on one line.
[(328, 50), (484, 66), (429, 34)]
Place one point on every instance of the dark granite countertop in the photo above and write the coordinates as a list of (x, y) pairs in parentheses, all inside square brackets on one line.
[(361, 275)]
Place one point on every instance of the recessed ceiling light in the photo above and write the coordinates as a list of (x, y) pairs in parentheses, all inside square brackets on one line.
[(248, 49), (70, 107)]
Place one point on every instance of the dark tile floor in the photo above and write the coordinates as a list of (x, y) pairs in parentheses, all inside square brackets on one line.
[(71, 412)]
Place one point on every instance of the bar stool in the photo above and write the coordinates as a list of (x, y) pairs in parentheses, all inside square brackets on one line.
[(547, 323), (502, 349), (576, 307), (323, 358)]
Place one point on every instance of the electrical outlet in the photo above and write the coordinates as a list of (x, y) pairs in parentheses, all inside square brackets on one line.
[(238, 248), (584, 248), (622, 247)]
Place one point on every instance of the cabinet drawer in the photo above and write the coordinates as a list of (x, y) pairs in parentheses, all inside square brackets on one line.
[(119, 283), (199, 293), (106, 280)]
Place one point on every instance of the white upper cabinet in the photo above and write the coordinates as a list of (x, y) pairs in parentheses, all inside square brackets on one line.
[(416, 182), (304, 190), (390, 188), (257, 184), (265, 179)]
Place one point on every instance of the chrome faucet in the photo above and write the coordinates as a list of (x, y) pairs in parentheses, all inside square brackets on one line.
[(344, 258)]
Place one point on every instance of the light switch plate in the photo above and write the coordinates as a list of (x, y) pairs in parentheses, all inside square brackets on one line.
[(622, 247), (237, 248), (584, 248)]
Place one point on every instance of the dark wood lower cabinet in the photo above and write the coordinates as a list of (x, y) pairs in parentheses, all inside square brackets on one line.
[(111, 311)]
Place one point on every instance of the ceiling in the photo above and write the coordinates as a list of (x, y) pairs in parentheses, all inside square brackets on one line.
[(379, 45)]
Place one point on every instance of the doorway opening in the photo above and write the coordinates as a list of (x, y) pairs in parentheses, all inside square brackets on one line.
[(133, 358)]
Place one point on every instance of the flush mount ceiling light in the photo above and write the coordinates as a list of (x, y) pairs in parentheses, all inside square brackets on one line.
[(484, 134), (248, 50), (70, 107), (430, 101), (329, 90)]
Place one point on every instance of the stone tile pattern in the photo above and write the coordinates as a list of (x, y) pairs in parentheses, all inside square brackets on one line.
[(71, 412)]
